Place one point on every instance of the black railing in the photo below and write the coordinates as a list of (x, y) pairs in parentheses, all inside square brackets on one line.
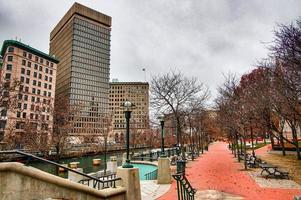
[(96, 183), (185, 190), (154, 155), (105, 181), (151, 175)]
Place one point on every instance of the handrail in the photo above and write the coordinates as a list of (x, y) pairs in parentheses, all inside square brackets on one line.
[(185, 190), (58, 165), (151, 175)]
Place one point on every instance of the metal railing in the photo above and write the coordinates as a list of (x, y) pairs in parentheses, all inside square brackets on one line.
[(104, 181), (96, 183), (152, 156), (151, 175), (185, 190)]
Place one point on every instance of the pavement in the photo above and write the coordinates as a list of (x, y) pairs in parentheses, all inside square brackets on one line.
[(150, 190), (218, 175)]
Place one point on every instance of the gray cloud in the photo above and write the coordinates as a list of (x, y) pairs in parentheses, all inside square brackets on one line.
[(202, 38)]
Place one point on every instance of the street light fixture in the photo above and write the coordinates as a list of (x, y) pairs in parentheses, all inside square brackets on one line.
[(161, 118), (128, 106)]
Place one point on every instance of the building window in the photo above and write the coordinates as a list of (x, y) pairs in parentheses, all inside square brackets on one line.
[(31, 115), (50, 71), (40, 76), (49, 87), (34, 82), (27, 80), (37, 58), (28, 72), (30, 56), (39, 91), (49, 94), (46, 78), (28, 64), (41, 68), (26, 88), (10, 49), (22, 71), (51, 64), (25, 98), (45, 93), (41, 60), (39, 84), (45, 85), (36, 66), (35, 74), (24, 114), (18, 114), (33, 90), (46, 70), (24, 54), (10, 58), (50, 79), (25, 106), (47, 63), (23, 62), (9, 67), (22, 79), (7, 76), (33, 99)]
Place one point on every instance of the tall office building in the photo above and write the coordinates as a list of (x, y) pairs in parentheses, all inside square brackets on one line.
[(31, 101), (81, 41), (138, 94)]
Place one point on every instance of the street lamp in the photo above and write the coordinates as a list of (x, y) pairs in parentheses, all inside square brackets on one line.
[(161, 118), (128, 106)]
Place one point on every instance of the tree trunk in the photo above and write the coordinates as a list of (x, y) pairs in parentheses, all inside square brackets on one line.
[(295, 137), (245, 153), (282, 144)]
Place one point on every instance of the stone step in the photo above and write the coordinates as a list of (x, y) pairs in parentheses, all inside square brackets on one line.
[(215, 195)]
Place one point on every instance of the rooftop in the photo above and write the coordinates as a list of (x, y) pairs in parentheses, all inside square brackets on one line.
[(26, 47), (129, 83)]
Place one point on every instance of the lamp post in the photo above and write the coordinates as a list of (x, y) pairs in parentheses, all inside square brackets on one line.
[(127, 105), (161, 118)]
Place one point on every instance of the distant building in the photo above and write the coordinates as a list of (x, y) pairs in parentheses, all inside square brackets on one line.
[(138, 94), (34, 74), (81, 41)]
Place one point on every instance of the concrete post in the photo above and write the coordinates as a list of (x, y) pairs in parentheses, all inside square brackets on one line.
[(164, 173), (131, 181), (123, 158), (75, 177)]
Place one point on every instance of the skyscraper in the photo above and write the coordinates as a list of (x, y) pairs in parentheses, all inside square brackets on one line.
[(81, 41)]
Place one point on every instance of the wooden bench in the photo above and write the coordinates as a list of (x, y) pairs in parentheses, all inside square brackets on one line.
[(273, 171)]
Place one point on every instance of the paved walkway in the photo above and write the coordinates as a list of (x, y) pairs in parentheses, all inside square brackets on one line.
[(150, 190), (217, 170)]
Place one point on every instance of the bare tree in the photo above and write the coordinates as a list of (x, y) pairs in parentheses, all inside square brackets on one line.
[(172, 92)]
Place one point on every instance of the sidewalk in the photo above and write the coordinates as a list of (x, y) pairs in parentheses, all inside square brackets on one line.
[(218, 170)]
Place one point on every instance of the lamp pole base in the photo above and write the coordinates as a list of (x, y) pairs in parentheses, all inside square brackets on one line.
[(127, 164)]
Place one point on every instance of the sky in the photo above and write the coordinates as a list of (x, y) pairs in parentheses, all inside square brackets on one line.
[(201, 38)]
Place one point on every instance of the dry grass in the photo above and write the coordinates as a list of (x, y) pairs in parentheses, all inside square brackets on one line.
[(289, 163)]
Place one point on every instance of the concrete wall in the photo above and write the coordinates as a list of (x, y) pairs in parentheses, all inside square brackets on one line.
[(21, 182)]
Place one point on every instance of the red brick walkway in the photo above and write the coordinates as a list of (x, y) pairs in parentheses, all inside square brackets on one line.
[(218, 170)]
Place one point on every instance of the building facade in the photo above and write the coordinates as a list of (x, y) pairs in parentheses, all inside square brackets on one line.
[(81, 41), (138, 94), (28, 88)]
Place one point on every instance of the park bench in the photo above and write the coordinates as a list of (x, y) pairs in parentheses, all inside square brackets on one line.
[(273, 171)]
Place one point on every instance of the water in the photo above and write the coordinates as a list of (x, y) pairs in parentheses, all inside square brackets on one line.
[(144, 169), (85, 163)]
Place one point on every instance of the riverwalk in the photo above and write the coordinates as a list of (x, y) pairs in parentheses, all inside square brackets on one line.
[(218, 175)]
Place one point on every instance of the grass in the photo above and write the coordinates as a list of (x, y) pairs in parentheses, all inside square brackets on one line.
[(257, 146), (289, 163)]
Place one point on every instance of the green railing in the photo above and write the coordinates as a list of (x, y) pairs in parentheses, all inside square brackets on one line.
[(185, 190), (151, 175)]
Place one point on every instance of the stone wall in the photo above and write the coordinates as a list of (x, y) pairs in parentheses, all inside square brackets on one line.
[(21, 182)]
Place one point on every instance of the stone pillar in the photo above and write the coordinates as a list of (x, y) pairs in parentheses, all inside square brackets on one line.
[(164, 173), (75, 177), (123, 158), (131, 181)]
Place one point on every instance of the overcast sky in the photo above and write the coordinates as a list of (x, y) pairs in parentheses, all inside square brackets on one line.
[(203, 38)]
